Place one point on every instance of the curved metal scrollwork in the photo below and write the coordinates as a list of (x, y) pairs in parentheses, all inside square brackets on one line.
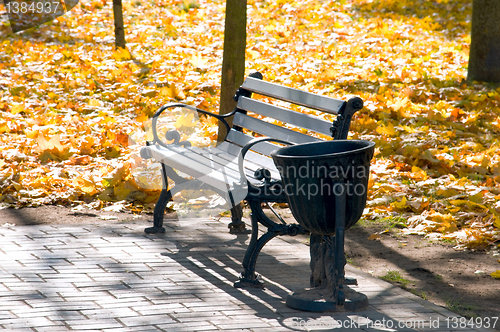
[(173, 135), (270, 187), (263, 174)]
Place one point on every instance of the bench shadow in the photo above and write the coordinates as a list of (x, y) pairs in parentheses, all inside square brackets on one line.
[(219, 266), (203, 258)]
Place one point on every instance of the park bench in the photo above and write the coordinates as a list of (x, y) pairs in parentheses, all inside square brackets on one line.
[(239, 167)]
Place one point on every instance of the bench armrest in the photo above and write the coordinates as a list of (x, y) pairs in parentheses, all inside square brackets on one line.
[(174, 135), (243, 152)]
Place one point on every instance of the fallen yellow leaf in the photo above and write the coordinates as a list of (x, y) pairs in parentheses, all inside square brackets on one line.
[(386, 130), (85, 185), (447, 192), (496, 274), (168, 91), (198, 61), (496, 221), (4, 128), (471, 205), (51, 149), (401, 204), (418, 174), (122, 54), (186, 120), (94, 103), (30, 133)]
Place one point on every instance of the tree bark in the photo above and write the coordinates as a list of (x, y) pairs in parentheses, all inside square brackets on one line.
[(233, 59), (484, 58), (119, 29)]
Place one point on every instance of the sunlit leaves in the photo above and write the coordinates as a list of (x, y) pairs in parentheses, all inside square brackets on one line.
[(74, 110)]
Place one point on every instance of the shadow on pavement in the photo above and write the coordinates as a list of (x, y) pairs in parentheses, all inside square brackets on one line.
[(114, 275)]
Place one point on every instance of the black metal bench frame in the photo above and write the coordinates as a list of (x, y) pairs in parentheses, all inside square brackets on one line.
[(264, 185)]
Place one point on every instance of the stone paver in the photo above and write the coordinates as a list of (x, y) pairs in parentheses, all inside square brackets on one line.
[(113, 277)]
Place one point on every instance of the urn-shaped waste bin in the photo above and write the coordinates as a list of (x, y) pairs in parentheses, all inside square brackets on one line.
[(309, 173), (326, 185)]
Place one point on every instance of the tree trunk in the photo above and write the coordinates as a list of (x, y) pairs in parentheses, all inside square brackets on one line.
[(119, 30), (484, 58), (233, 59)]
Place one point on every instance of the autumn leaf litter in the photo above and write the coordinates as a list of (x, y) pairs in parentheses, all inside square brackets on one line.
[(74, 112)]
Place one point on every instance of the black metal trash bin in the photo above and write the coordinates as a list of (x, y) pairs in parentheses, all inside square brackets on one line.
[(326, 185), (309, 172)]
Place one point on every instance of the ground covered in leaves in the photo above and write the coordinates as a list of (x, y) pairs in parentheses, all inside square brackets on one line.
[(74, 111)]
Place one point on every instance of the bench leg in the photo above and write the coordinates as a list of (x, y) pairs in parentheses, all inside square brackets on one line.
[(159, 212), (237, 226), (248, 277)]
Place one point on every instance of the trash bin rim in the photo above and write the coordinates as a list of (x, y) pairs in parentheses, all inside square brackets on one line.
[(279, 152)]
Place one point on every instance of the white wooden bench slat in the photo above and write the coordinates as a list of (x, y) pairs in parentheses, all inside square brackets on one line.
[(303, 98), (228, 148), (271, 130), (205, 160), (256, 158), (285, 115), (223, 157), (232, 161), (229, 167), (242, 139), (217, 178)]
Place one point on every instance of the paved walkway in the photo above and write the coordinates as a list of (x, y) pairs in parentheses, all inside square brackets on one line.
[(113, 277)]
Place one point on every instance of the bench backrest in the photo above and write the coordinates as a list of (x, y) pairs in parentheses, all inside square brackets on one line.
[(267, 112)]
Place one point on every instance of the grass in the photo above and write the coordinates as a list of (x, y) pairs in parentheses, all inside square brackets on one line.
[(402, 244), (421, 294), (449, 241), (387, 222), (460, 308), (395, 277), (397, 222)]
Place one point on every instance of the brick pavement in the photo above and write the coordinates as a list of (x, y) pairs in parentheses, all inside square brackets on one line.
[(113, 277)]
